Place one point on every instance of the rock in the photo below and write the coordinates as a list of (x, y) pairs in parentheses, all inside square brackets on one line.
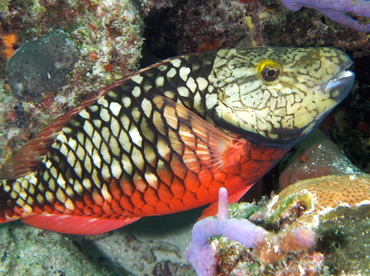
[(30, 251), (41, 65)]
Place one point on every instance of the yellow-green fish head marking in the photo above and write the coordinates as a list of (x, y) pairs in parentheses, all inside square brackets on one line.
[(278, 93)]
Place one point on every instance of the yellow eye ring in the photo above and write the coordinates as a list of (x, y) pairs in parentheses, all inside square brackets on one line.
[(269, 70)]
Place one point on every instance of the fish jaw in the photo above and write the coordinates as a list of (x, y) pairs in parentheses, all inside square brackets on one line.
[(341, 85)]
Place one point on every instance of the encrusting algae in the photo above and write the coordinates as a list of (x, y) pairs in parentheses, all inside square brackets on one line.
[(308, 203), (308, 228), (8, 42)]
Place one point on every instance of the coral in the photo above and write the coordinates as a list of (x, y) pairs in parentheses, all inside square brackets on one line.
[(41, 65), (295, 214), (154, 247), (344, 239), (166, 268), (201, 254), (216, 24), (336, 9), (299, 214), (302, 203), (179, 27), (349, 125), (316, 197)]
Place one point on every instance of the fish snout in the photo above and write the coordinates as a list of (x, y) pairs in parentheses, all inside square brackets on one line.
[(340, 85)]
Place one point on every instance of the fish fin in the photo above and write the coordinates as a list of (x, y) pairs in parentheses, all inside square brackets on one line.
[(33, 152), (200, 144), (212, 209), (77, 225)]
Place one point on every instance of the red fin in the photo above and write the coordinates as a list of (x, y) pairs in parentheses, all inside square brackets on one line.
[(76, 224), (212, 209), (199, 142)]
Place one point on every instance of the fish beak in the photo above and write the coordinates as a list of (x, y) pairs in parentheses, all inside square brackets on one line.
[(341, 84)]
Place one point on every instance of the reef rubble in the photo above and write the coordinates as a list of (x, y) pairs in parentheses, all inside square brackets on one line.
[(316, 226)]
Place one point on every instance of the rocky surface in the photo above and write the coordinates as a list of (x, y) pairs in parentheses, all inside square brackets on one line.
[(29, 251)]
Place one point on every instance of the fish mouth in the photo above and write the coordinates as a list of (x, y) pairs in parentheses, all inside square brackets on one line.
[(340, 85)]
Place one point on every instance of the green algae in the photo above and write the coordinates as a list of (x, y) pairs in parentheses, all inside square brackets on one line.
[(344, 239)]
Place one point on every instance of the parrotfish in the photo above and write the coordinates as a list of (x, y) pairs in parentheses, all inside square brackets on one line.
[(165, 139)]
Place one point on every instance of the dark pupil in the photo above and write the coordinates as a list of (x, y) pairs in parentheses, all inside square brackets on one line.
[(270, 73)]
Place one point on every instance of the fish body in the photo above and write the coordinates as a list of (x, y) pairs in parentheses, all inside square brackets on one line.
[(165, 139)]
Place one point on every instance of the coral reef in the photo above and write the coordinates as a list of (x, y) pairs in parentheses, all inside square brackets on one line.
[(108, 37), (349, 126), (336, 9), (305, 216), (309, 226), (155, 247), (201, 254), (152, 246), (170, 32)]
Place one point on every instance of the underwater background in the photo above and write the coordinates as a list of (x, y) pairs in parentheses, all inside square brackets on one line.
[(86, 45)]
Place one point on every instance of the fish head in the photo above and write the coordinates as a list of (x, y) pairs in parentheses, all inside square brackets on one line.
[(277, 95)]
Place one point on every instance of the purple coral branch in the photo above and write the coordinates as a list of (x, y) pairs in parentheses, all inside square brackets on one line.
[(200, 253), (335, 10), (269, 246), (346, 20)]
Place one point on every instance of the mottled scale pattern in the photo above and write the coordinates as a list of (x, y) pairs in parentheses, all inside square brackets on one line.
[(135, 149), (115, 140), (115, 159)]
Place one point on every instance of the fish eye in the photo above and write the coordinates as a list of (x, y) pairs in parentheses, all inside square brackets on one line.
[(269, 70), (270, 73)]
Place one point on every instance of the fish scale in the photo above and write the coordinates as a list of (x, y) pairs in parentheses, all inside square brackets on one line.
[(164, 140)]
